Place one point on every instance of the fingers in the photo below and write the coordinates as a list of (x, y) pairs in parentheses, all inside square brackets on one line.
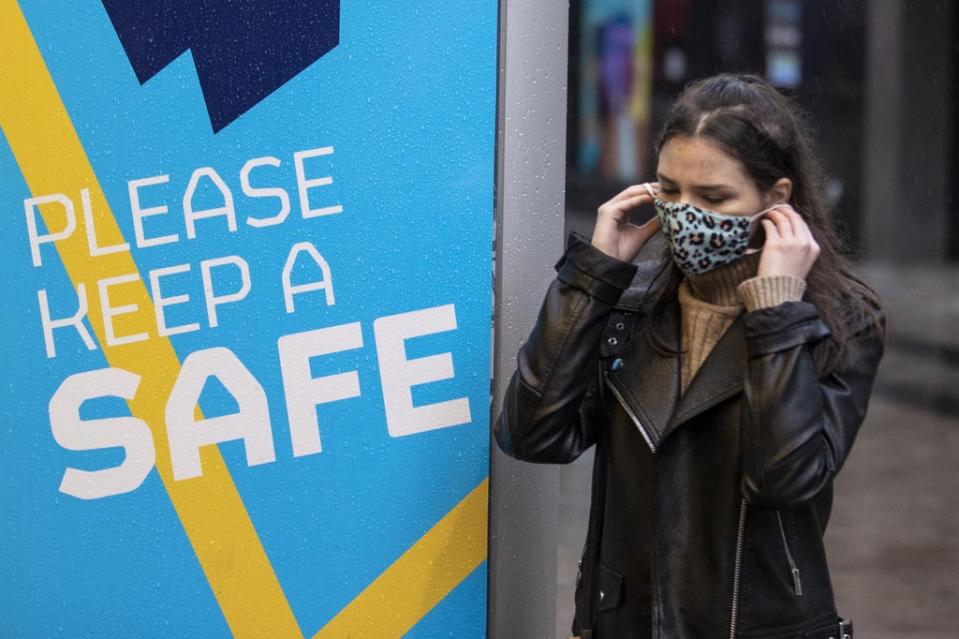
[(789, 248), (772, 233), (630, 191), (613, 233), (800, 228), (628, 199), (791, 230), (634, 201), (804, 230), (652, 188), (648, 189), (783, 223)]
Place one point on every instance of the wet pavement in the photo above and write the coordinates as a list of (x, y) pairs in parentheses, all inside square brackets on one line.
[(893, 539)]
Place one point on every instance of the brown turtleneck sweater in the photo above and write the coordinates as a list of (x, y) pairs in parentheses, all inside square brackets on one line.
[(711, 301)]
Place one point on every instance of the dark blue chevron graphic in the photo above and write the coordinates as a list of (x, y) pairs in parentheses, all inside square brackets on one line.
[(243, 49)]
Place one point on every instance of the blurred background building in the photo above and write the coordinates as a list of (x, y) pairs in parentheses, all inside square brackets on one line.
[(879, 82)]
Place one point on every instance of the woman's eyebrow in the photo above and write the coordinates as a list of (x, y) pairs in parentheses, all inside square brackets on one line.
[(702, 187), (662, 178), (713, 187)]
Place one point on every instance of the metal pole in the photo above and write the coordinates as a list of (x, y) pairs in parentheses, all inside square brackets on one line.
[(530, 198)]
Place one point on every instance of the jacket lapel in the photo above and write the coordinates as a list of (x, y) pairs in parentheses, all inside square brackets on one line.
[(719, 378), (648, 382)]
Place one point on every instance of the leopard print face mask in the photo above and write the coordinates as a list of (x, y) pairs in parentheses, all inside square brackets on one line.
[(702, 240)]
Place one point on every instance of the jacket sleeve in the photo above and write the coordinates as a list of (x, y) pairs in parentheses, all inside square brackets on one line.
[(798, 427), (549, 409)]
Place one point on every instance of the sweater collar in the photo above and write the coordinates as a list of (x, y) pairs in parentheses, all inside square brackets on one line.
[(718, 286)]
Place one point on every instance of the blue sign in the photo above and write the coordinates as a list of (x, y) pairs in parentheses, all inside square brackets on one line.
[(247, 256)]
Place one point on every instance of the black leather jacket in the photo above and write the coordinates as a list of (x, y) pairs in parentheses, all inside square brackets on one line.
[(709, 508)]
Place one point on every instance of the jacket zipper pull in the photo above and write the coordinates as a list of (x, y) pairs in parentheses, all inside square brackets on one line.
[(797, 584)]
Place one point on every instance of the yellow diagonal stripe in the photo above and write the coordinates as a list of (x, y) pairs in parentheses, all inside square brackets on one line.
[(53, 160), (420, 578)]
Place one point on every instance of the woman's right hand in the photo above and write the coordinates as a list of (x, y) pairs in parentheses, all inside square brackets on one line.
[(614, 234)]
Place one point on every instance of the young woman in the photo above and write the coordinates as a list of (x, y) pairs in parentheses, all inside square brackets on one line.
[(722, 384)]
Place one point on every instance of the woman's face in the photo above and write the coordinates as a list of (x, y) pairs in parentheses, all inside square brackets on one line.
[(696, 171)]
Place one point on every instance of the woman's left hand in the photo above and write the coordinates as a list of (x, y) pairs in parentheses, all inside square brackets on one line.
[(789, 248)]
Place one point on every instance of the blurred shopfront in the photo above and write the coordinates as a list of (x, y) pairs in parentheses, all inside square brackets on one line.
[(877, 82)]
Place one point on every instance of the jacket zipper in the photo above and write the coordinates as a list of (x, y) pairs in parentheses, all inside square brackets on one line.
[(797, 584), (737, 568), (629, 411)]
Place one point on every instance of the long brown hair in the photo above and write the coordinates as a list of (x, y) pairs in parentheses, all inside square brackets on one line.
[(767, 133)]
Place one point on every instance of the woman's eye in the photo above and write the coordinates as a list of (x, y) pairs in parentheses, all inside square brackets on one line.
[(715, 200)]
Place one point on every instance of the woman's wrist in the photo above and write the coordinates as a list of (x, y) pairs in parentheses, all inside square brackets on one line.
[(765, 291)]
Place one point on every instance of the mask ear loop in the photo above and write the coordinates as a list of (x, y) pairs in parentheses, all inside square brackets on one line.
[(767, 210)]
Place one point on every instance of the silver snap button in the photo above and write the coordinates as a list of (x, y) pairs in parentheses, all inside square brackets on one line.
[(602, 595), (846, 636), (617, 364), (620, 326), (612, 341)]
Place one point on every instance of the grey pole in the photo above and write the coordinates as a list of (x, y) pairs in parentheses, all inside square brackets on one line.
[(530, 202)]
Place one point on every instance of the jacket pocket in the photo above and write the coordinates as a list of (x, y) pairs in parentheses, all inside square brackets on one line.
[(609, 588), (793, 569), (839, 629), (822, 626)]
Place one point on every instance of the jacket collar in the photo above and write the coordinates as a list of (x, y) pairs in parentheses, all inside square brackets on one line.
[(649, 383)]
